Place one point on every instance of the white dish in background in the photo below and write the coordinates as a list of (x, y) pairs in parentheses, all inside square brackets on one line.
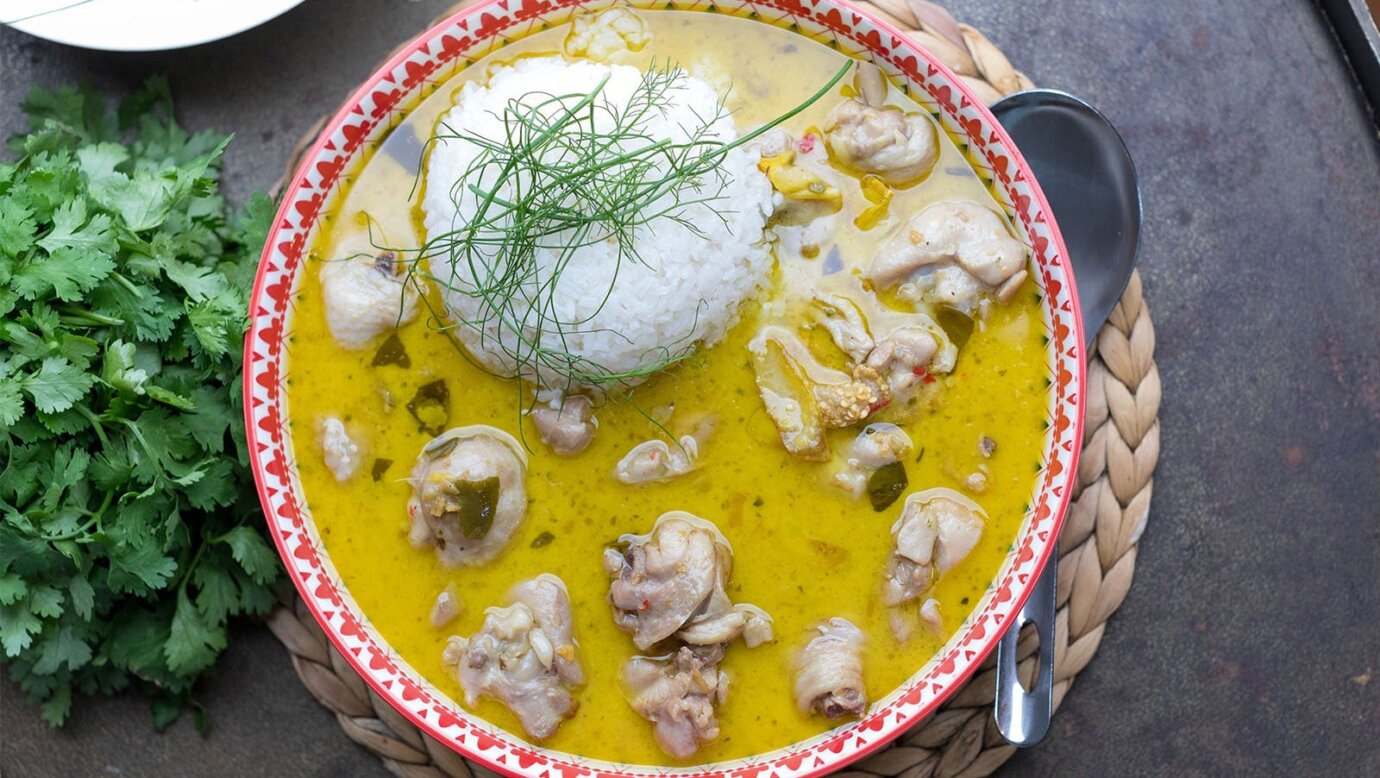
[(139, 25)]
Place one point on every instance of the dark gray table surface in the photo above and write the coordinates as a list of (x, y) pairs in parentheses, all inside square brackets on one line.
[(1248, 639)]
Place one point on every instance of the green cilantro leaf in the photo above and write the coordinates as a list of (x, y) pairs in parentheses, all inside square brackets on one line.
[(18, 625), (194, 641), (253, 553), (57, 385), (72, 230), (83, 596), (217, 595), (11, 401), (99, 161), (140, 563), (12, 588), (16, 227), (62, 649), (58, 705), (45, 601), (66, 273)]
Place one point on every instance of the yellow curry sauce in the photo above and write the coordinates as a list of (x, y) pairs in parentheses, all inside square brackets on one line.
[(804, 551)]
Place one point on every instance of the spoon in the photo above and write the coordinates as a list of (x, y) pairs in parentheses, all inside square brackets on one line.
[(1090, 182)]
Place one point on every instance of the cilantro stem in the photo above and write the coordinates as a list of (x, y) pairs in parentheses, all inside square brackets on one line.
[(84, 528), (128, 284), (96, 425), (80, 317), (181, 583), (160, 474)]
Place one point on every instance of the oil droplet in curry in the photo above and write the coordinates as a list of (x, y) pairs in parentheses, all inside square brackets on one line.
[(804, 550)]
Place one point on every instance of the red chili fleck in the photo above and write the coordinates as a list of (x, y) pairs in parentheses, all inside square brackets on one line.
[(928, 379), (646, 605), (919, 371), (877, 406), (807, 143)]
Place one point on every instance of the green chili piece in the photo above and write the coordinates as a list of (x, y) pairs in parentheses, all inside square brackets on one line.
[(430, 406), (380, 467), (957, 324), (474, 503), (886, 485), (392, 352)]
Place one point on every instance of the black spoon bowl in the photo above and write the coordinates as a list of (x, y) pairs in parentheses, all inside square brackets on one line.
[(1087, 175)]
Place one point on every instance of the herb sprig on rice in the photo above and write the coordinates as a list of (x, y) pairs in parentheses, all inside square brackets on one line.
[(554, 184)]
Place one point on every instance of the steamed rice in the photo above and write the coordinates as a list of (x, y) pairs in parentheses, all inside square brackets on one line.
[(687, 288)]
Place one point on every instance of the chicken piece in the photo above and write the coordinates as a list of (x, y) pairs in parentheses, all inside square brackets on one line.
[(654, 460), (929, 613), (566, 426), (605, 34), (366, 293), (786, 375), (877, 446), (828, 671), (469, 493), (749, 621), (340, 451), (957, 251), (843, 320), (936, 530), (805, 194), (775, 142), (678, 693), (549, 601), (898, 147), (446, 608), (524, 656), (870, 83), (901, 627), (803, 397), (757, 625), (671, 581), (903, 360)]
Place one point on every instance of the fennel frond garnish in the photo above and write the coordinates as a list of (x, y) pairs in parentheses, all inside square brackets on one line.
[(570, 171)]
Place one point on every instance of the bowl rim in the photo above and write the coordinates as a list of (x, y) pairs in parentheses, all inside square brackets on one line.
[(510, 753)]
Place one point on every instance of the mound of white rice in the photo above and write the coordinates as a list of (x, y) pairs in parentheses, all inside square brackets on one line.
[(688, 286)]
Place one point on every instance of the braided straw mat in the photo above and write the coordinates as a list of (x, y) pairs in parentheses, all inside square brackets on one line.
[(1121, 443)]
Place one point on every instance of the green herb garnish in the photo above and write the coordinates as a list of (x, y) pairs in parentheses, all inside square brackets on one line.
[(129, 529), (543, 540), (571, 184)]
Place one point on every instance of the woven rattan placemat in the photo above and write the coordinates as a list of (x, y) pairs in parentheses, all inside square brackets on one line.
[(1097, 547)]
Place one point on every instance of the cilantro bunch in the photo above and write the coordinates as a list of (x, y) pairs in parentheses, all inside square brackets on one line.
[(129, 531)]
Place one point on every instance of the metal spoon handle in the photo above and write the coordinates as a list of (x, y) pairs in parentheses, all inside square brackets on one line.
[(1023, 716)]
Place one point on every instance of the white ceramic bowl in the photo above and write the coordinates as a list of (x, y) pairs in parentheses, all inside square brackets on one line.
[(139, 25)]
